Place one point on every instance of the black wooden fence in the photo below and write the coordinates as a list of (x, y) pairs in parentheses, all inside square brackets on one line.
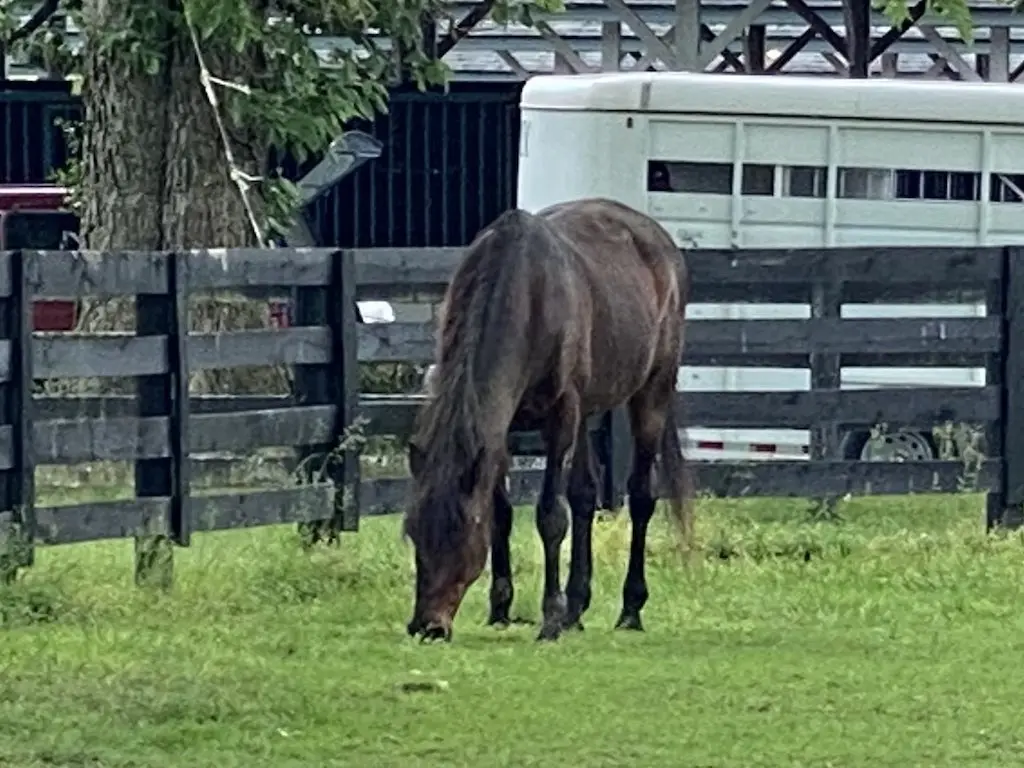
[(163, 426), (161, 431)]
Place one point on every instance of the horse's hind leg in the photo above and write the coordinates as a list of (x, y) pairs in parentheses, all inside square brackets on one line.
[(582, 496), (552, 520), (647, 413), (501, 559)]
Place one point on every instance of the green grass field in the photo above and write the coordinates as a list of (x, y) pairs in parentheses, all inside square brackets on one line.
[(891, 637)]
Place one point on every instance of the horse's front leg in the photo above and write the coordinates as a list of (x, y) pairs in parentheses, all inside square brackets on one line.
[(552, 515), (501, 558)]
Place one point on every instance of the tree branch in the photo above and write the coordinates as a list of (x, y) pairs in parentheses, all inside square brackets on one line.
[(39, 17)]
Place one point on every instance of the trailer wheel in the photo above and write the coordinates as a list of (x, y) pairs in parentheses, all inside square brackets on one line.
[(902, 445)]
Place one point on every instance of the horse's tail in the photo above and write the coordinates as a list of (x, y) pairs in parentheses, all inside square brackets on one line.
[(676, 477)]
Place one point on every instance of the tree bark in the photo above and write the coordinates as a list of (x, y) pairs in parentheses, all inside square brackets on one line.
[(155, 171), (124, 137), (201, 205)]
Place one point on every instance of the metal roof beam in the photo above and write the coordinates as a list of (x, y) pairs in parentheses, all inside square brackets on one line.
[(720, 14)]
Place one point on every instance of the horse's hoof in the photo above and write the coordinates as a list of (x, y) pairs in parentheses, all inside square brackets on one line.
[(435, 632), (549, 633), (573, 624), (630, 621), (499, 621)]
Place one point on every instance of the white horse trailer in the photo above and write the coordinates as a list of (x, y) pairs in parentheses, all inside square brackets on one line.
[(752, 161)]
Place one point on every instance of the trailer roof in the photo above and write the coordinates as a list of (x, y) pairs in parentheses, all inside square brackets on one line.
[(790, 96)]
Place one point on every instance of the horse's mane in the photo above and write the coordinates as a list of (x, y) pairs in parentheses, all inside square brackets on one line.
[(448, 430)]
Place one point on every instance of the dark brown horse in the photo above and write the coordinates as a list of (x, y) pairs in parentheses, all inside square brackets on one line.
[(550, 318)]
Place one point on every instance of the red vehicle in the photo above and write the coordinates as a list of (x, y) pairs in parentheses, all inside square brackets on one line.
[(33, 217)]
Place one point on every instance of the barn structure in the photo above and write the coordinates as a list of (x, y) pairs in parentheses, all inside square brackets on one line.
[(449, 162)]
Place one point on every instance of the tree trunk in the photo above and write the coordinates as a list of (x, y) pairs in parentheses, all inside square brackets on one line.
[(155, 174), (124, 138)]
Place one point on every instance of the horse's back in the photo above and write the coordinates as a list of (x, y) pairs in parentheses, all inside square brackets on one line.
[(590, 221), (636, 275)]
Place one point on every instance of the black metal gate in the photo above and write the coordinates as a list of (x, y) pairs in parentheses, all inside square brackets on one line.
[(32, 145), (447, 170)]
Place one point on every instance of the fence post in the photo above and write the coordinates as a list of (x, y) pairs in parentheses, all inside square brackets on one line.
[(345, 334), (17, 485), (1005, 507), (335, 383), (181, 523), (826, 373), (157, 315), (617, 457)]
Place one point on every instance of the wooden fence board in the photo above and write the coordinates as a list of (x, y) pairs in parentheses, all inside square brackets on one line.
[(707, 339), (304, 503), (123, 354), (6, 281), (96, 273), (113, 438), (5, 360), (149, 516), (111, 406), (913, 406), (300, 425), (78, 273), (761, 273), (754, 478), (837, 478), (226, 268), (951, 266), (98, 520), (754, 342), (383, 272), (118, 439), (100, 355), (396, 343), (287, 346), (129, 438)]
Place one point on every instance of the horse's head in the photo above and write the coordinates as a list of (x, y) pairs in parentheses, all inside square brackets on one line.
[(449, 524)]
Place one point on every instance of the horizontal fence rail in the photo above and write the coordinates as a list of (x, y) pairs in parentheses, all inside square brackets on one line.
[(778, 343), (776, 478), (150, 516)]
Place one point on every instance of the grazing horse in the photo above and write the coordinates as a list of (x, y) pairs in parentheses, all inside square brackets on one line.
[(550, 318)]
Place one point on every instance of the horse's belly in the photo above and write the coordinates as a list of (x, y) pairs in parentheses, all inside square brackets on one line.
[(617, 371)]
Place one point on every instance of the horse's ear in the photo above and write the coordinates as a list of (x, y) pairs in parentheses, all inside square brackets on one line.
[(472, 475), (416, 459)]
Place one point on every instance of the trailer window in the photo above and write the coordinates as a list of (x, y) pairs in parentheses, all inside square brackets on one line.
[(701, 178), (1006, 188), (804, 181), (758, 180), (852, 183), (707, 178), (937, 185)]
